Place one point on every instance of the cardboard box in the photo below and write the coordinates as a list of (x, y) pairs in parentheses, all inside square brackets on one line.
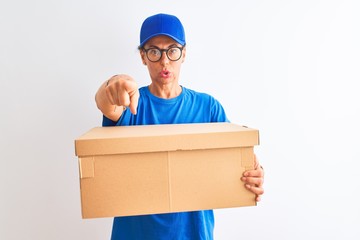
[(136, 170)]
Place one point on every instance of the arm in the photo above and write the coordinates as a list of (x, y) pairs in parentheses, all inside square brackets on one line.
[(119, 90), (254, 180)]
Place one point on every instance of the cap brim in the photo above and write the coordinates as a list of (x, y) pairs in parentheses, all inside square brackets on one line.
[(164, 34)]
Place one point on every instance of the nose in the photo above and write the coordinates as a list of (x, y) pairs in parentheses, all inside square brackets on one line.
[(164, 58)]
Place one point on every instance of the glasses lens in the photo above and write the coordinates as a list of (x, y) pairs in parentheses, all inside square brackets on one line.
[(153, 54), (174, 53)]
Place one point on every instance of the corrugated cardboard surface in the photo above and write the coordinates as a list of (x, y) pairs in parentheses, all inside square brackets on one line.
[(150, 169)]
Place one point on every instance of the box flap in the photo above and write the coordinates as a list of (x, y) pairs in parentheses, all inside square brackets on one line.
[(165, 137)]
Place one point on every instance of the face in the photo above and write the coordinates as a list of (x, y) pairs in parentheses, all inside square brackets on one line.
[(163, 71)]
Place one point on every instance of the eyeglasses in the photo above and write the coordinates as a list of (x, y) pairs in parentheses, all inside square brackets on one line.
[(154, 54)]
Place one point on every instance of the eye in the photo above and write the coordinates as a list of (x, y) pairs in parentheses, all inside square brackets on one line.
[(173, 51), (153, 51)]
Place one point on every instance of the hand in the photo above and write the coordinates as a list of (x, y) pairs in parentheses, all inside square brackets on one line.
[(122, 90), (254, 180)]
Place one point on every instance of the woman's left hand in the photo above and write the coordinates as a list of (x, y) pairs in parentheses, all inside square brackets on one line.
[(254, 180)]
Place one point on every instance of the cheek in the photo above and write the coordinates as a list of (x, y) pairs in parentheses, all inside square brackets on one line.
[(152, 69), (178, 66)]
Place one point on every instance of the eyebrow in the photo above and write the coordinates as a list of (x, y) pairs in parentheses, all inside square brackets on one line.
[(172, 45)]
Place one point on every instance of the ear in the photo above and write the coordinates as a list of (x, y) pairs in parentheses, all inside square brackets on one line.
[(142, 55), (183, 54)]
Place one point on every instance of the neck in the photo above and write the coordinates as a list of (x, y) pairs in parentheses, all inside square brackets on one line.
[(165, 91)]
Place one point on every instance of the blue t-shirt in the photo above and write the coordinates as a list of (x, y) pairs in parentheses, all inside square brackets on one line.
[(188, 107)]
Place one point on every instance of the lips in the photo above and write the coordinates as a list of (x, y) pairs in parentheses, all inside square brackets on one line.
[(165, 73)]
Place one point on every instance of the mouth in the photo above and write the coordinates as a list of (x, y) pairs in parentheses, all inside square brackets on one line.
[(165, 73)]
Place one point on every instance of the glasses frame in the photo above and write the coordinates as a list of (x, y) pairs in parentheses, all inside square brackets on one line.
[(163, 50)]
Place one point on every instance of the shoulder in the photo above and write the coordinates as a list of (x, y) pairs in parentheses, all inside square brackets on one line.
[(200, 97), (191, 92), (206, 103), (143, 90)]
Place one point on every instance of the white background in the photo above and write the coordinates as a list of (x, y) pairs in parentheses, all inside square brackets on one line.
[(288, 68)]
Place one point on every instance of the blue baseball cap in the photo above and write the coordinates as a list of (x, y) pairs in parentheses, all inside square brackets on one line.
[(162, 24)]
